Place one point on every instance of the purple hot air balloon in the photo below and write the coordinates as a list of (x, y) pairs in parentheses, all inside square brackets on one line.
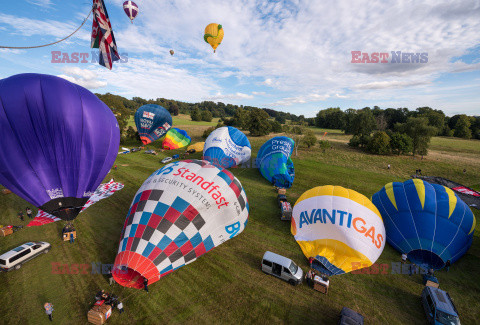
[(57, 142), (131, 9)]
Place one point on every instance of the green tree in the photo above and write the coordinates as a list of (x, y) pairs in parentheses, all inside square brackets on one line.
[(280, 119), (360, 122), (309, 139), (258, 123), (206, 116), (196, 115), (324, 144), (418, 129), (401, 143), (462, 127), (131, 133), (331, 118), (379, 144), (275, 126), (116, 104), (295, 133)]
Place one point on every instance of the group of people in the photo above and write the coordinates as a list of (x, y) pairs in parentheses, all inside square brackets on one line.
[(109, 299), (28, 211)]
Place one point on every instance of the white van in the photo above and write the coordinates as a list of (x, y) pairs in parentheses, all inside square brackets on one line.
[(282, 267), (16, 257)]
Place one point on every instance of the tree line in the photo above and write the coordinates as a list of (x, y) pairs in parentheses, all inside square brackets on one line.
[(397, 131)]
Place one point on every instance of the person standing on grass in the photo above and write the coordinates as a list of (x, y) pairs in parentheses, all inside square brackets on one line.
[(404, 258), (145, 284), (49, 310), (120, 307), (20, 215), (29, 213), (72, 239), (447, 265)]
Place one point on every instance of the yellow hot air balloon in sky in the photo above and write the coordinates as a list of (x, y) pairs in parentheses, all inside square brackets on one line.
[(213, 35)]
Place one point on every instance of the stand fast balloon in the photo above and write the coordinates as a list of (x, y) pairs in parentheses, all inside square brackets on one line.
[(338, 227), (57, 142), (181, 212), (428, 222)]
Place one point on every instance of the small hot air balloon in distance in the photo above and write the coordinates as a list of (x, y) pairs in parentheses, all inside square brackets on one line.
[(172, 52), (58, 141), (153, 122), (131, 9), (213, 35)]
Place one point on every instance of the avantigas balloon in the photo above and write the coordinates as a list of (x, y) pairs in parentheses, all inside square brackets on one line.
[(57, 142), (339, 228), (153, 122), (428, 222), (181, 212)]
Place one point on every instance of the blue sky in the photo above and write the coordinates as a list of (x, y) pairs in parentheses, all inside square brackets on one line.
[(291, 56)]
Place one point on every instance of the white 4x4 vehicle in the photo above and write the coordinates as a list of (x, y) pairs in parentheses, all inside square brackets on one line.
[(16, 257), (166, 160)]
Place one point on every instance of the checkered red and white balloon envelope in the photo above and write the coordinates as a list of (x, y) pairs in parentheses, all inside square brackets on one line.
[(181, 212)]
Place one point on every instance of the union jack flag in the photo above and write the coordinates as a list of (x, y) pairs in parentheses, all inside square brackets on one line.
[(102, 35)]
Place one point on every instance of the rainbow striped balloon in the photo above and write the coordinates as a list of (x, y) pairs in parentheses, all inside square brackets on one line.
[(176, 138)]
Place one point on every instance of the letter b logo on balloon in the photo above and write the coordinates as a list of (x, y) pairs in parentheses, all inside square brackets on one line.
[(233, 229)]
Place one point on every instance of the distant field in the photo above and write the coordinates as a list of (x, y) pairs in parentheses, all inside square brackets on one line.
[(181, 120), (226, 286)]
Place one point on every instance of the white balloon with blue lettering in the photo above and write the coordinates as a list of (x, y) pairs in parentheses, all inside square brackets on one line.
[(181, 212), (227, 147)]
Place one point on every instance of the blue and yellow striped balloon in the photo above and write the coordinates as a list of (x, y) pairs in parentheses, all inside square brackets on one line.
[(428, 222)]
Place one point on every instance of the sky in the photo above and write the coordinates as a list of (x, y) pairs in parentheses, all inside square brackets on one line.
[(293, 56)]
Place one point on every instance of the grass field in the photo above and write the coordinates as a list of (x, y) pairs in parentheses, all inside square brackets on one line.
[(227, 285), (182, 120)]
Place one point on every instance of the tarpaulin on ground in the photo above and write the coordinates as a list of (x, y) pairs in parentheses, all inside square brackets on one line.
[(468, 195), (103, 191)]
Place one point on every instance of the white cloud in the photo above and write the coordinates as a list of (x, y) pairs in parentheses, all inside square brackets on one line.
[(220, 96), (390, 84), (41, 3), (259, 93), (83, 77)]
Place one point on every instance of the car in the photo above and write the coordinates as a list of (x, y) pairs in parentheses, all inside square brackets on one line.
[(282, 267), (285, 207), (151, 152), (15, 258), (135, 149), (439, 307), (124, 152), (175, 156), (166, 160), (191, 151)]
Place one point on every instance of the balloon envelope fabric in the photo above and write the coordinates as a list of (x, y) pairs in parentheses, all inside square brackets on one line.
[(179, 213), (428, 222), (227, 147), (338, 227), (152, 122), (57, 142), (274, 163), (176, 138)]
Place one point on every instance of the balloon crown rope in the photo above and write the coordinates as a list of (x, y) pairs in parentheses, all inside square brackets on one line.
[(49, 44)]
